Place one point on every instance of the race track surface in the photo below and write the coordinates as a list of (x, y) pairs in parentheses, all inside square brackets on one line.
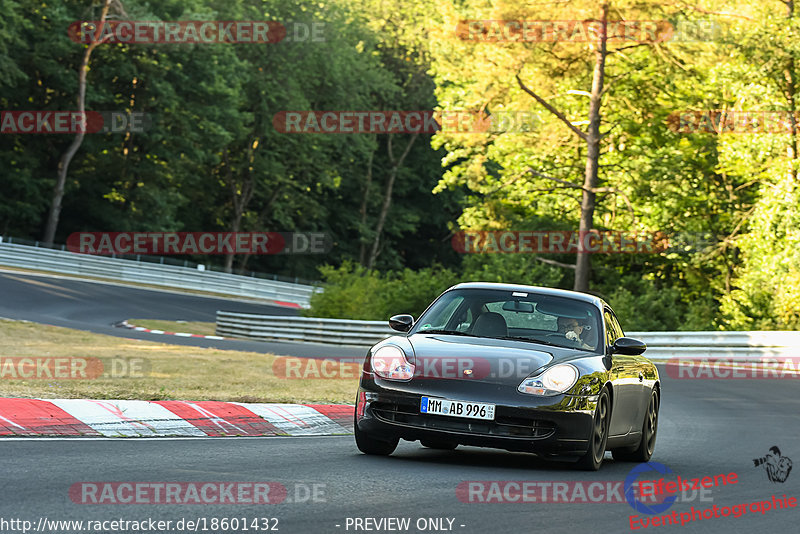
[(97, 307), (707, 427)]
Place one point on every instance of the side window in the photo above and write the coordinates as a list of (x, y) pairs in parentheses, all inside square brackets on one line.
[(612, 328), (446, 313), (465, 321), (464, 317), (442, 313)]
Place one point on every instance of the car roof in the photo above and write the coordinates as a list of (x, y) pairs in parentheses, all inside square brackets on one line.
[(549, 291)]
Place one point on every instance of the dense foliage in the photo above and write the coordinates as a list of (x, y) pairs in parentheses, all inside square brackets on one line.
[(212, 160)]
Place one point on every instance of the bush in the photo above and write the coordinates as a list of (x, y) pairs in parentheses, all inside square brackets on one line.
[(353, 292), (350, 293), (643, 306), (513, 269)]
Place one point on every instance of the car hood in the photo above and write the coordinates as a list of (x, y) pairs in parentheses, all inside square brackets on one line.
[(499, 361)]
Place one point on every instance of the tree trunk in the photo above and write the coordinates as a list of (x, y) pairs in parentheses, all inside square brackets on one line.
[(235, 226), (387, 197), (583, 264), (240, 198), (362, 253), (260, 222), (66, 158), (790, 92)]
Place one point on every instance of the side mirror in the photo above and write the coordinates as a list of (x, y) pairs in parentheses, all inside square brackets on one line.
[(628, 346), (401, 323)]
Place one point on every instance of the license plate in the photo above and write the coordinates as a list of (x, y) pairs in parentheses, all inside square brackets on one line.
[(454, 408)]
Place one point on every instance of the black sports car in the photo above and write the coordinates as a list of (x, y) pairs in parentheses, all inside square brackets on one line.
[(519, 368)]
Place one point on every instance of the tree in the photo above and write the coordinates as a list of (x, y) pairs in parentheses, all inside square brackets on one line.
[(66, 158), (592, 137), (762, 284)]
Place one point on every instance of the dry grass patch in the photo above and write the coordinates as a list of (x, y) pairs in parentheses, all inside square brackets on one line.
[(154, 371)]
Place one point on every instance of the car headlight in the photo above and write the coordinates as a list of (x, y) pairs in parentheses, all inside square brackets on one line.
[(390, 362), (554, 381)]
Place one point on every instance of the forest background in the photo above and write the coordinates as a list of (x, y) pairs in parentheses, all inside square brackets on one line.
[(606, 153)]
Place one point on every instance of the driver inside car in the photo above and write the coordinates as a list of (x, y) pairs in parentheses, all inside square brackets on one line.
[(573, 329)]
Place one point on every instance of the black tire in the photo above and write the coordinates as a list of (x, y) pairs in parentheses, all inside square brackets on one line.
[(370, 445), (644, 451), (440, 445), (593, 459)]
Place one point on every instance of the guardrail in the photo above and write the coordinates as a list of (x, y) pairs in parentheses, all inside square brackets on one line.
[(308, 329), (743, 346), (174, 276)]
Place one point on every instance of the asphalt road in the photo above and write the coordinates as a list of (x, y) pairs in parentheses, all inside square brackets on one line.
[(707, 428), (98, 306)]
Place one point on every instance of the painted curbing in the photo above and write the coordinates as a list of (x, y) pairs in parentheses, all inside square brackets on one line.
[(135, 418), (126, 324)]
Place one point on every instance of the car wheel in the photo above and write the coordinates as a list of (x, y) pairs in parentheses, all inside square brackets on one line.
[(441, 445), (647, 444), (593, 459), (370, 445)]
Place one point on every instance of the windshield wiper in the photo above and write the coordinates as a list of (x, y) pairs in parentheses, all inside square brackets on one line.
[(441, 331)]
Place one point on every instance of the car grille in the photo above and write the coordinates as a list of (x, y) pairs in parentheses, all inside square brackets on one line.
[(517, 427)]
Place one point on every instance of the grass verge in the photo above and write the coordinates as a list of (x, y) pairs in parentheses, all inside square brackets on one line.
[(135, 369)]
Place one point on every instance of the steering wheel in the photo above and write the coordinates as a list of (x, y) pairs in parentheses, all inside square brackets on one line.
[(562, 339)]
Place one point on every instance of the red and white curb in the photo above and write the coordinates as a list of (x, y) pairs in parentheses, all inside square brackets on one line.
[(126, 324), (287, 304), (135, 418)]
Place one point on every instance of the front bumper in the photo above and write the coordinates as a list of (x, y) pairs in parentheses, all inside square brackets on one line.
[(549, 426)]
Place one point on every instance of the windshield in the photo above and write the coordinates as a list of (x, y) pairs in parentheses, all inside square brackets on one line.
[(503, 314)]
